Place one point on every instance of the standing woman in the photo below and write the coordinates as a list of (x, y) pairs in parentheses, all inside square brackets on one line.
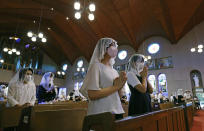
[(102, 83), (140, 100), (21, 89)]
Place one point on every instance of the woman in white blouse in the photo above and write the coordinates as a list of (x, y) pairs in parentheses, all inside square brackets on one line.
[(102, 83), (22, 90)]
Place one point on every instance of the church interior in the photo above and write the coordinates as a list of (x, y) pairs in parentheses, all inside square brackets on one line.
[(101, 65)]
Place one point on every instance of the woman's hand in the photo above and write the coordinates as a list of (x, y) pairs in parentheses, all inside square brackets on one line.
[(17, 105), (120, 81), (144, 72), (27, 105)]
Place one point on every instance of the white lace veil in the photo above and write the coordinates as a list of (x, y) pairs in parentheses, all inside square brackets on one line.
[(101, 49), (19, 76), (46, 81), (98, 55), (133, 62)]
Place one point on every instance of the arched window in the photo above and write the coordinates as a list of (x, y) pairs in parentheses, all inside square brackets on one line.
[(162, 83), (152, 81), (197, 85)]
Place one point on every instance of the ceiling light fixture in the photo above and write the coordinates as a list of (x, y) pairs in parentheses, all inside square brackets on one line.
[(11, 51), (198, 49), (79, 10)]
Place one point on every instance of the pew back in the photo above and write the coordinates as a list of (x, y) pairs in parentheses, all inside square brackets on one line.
[(166, 105), (171, 120), (58, 120), (10, 117), (58, 107)]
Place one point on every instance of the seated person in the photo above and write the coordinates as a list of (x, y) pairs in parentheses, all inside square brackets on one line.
[(21, 89), (187, 95), (181, 99), (46, 91), (3, 92)]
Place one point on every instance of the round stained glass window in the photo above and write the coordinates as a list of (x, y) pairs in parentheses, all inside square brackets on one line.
[(122, 54), (153, 48)]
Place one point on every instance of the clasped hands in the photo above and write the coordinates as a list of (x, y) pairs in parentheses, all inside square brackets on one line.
[(120, 81)]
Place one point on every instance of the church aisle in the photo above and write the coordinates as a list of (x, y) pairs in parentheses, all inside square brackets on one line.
[(198, 123)]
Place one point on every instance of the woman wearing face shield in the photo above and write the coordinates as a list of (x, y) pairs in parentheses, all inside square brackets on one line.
[(140, 100), (102, 83), (21, 89), (46, 91)]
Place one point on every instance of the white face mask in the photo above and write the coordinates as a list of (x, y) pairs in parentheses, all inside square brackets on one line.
[(112, 61), (28, 78), (140, 67)]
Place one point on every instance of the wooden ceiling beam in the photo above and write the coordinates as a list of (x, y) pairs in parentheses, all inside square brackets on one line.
[(50, 39)]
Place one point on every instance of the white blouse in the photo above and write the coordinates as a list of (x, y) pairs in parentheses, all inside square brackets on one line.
[(102, 76), (19, 93), (132, 79)]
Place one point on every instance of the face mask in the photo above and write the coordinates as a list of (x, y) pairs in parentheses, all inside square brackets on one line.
[(112, 51), (140, 67), (28, 78), (112, 61)]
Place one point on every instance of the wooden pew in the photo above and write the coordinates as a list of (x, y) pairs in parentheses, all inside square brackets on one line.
[(188, 111), (10, 117), (57, 107), (166, 105), (58, 120), (164, 120), (61, 105)]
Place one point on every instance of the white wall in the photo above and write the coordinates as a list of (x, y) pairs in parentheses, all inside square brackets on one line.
[(6, 76), (183, 60)]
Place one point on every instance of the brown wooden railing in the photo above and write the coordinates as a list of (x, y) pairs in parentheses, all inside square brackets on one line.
[(53, 117), (173, 119)]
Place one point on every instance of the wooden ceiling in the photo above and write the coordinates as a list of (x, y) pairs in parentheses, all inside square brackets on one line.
[(128, 21)]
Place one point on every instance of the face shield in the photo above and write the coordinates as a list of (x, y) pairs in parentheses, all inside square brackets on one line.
[(136, 63)]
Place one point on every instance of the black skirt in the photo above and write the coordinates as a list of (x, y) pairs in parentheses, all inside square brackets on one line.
[(43, 95), (139, 103)]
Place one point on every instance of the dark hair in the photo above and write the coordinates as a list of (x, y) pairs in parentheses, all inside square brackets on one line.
[(23, 72), (137, 57), (51, 75)]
